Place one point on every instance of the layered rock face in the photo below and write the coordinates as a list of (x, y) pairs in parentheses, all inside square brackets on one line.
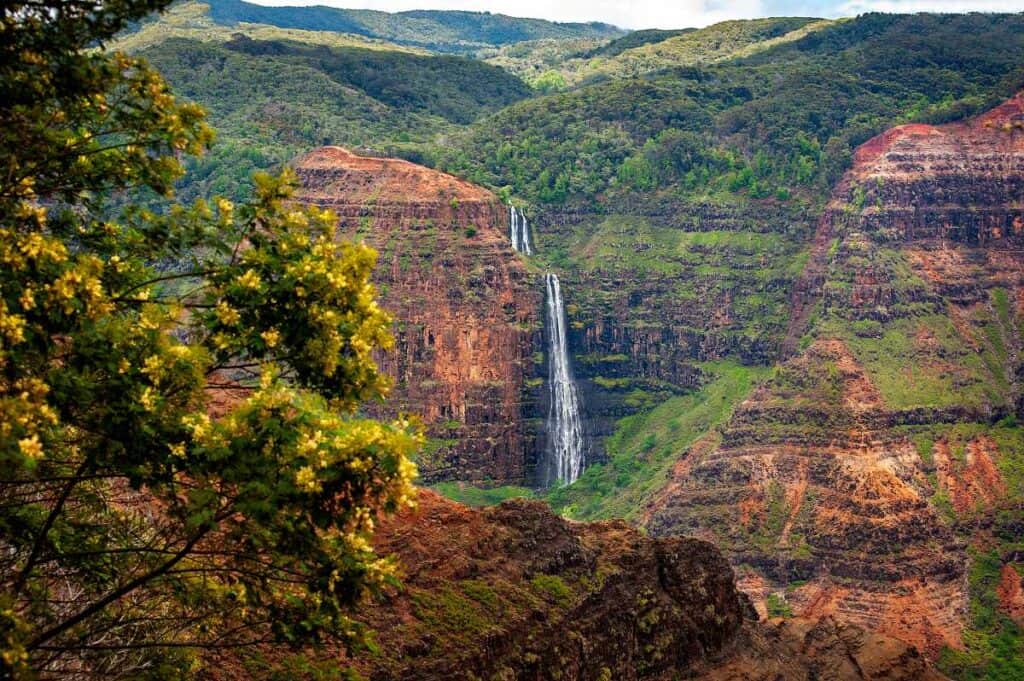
[(466, 310), (806, 650), (810, 487), (841, 486)]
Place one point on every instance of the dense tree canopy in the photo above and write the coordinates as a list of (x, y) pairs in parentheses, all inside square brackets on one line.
[(182, 462)]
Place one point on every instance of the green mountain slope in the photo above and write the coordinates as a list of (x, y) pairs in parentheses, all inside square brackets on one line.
[(446, 31), (275, 99), (635, 55), (770, 124), (192, 20)]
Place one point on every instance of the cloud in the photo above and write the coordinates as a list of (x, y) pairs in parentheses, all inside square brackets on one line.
[(852, 7)]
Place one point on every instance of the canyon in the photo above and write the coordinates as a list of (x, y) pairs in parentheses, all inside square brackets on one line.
[(847, 488)]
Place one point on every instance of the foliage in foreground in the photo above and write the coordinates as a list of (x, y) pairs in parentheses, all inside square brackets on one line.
[(182, 465)]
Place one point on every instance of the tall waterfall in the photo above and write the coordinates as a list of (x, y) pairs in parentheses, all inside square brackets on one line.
[(565, 429), (519, 231)]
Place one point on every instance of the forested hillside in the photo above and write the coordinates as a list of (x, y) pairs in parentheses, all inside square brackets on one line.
[(779, 122), (442, 31), (275, 99)]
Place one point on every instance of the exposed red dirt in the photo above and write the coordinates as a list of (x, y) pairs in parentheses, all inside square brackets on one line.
[(1011, 593), (975, 483)]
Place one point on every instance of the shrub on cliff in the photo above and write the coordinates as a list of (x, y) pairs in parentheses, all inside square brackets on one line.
[(181, 463)]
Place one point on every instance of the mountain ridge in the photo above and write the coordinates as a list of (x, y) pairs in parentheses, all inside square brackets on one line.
[(451, 31)]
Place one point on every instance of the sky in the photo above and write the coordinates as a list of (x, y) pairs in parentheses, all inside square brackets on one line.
[(634, 14)]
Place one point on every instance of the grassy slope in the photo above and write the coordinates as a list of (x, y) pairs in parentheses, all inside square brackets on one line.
[(646, 446), (719, 42), (559, 65)]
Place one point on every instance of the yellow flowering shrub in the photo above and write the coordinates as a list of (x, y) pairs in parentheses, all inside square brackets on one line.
[(179, 389)]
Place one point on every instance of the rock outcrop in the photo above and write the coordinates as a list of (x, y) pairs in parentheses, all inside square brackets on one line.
[(466, 310), (514, 592), (812, 649)]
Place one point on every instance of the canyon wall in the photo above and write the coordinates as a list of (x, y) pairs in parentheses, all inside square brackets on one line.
[(467, 312), (854, 481), (657, 287)]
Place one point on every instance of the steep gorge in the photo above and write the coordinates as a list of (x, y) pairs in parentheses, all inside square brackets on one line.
[(849, 483)]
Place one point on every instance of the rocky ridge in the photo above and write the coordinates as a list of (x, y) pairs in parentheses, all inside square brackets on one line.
[(514, 592)]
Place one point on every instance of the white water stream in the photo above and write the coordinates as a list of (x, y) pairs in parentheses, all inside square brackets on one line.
[(519, 231), (564, 426)]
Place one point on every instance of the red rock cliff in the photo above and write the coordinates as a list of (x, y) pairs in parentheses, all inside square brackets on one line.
[(836, 486), (464, 305)]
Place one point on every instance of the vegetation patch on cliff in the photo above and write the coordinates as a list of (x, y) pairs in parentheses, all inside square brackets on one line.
[(646, 446)]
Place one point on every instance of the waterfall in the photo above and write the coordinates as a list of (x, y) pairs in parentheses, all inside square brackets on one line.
[(565, 429), (519, 231)]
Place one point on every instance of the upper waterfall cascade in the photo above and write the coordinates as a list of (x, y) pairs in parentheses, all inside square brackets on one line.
[(564, 426), (519, 231)]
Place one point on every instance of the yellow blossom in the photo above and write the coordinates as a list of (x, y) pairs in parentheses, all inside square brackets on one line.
[(226, 314), (271, 337), (306, 479), (251, 279), (221, 341), (12, 326), (27, 299), (148, 399), (31, 447), (199, 424), (153, 367)]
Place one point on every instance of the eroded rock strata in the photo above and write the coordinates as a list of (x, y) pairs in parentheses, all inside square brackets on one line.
[(839, 485), (466, 310), (810, 487)]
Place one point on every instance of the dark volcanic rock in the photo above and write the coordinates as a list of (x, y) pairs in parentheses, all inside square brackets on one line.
[(515, 592)]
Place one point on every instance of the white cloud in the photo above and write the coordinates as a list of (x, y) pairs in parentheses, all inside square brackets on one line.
[(852, 7)]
